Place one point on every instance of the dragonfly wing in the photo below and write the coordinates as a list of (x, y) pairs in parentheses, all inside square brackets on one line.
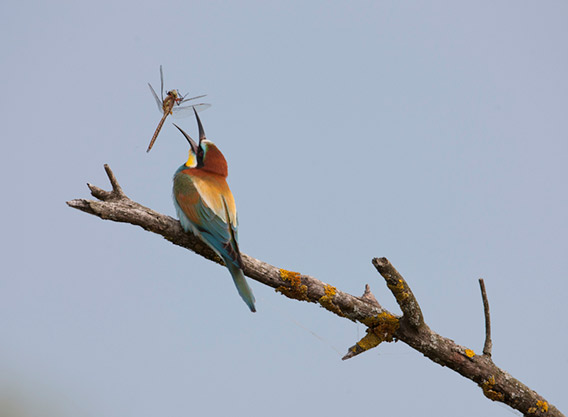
[(158, 101), (161, 83), (181, 112), (192, 98)]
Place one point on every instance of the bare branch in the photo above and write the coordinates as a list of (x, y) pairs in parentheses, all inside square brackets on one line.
[(116, 188), (368, 296), (488, 345), (383, 326), (116, 206), (115, 194), (408, 304)]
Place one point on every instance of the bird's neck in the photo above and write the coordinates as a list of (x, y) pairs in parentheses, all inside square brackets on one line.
[(214, 162)]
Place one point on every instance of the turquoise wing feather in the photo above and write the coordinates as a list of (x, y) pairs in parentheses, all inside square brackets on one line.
[(218, 232)]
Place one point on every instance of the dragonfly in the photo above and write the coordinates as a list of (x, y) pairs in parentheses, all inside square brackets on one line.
[(172, 105)]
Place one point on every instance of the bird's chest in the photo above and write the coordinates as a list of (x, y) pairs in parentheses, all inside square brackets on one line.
[(211, 190)]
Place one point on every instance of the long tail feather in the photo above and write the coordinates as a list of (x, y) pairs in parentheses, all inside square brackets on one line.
[(242, 286)]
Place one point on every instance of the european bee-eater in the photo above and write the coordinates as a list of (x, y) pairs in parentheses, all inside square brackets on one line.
[(206, 207)]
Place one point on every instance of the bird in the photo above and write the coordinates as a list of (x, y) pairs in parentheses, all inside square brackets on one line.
[(206, 207)]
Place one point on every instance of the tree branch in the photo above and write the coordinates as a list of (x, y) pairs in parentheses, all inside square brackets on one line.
[(116, 206), (488, 345), (382, 325), (395, 282)]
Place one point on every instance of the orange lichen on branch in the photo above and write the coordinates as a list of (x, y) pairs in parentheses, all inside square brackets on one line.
[(400, 291), (295, 278), (541, 406), (369, 341), (329, 290), (381, 329), (387, 325), (469, 353), (326, 300), (488, 390), (296, 290)]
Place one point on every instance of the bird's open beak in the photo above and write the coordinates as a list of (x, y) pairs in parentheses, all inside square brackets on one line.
[(201, 131), (191, 141)]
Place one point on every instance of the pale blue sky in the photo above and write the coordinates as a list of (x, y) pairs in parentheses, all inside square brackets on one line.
[(432, 133)]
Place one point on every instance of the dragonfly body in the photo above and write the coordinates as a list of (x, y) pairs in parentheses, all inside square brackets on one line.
[(172, 98), (171, 106)]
